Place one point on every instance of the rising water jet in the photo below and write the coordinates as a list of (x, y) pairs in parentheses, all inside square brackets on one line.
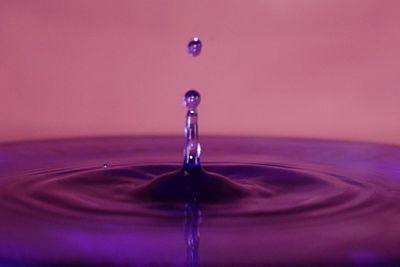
[(192, 182)]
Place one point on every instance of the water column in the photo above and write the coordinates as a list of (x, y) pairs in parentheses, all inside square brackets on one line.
[(192, 149)]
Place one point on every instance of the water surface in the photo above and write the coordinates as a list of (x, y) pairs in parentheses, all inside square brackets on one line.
[(300, 203)]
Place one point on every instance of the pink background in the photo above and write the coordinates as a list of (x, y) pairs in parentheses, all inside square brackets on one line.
[(303, 68)]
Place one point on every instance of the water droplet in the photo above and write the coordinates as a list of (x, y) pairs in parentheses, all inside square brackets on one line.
[(194, 47), (191, 99), (105, 165)]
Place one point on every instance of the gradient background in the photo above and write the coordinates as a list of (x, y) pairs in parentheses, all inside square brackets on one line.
[(302, 68)]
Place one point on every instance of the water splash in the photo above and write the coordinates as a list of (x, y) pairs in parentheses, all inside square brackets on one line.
[(286, 188), (192, 148), (191, 182)]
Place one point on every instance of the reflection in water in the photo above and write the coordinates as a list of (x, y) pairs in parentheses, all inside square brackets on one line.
[(192, 233)]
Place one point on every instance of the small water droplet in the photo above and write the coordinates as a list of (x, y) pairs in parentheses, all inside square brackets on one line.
[(194, 47), (105, 165), (191, 99)]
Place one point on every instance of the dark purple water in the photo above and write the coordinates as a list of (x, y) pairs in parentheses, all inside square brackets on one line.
[(273, 202)]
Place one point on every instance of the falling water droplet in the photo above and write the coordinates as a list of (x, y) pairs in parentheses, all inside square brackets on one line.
[(194, 47)]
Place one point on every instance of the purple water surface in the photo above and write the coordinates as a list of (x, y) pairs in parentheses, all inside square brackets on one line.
[(308, 203)]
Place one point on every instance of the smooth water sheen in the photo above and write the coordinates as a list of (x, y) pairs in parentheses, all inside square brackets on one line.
[(97, 202)]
